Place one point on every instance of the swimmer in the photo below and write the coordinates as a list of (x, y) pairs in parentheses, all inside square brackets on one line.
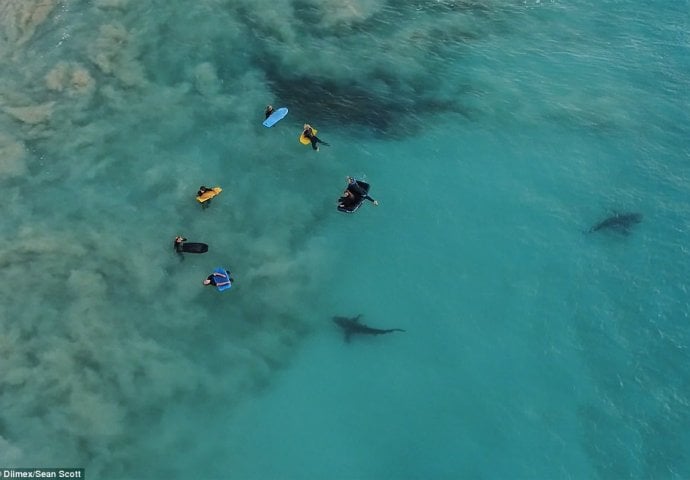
[(308, 133), (177, 244), (181, 247), (202, 190), (347, 200), (353, 186), (218, 279), (269, 110)]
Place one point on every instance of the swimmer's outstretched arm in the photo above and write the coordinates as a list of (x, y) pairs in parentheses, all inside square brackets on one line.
[(371, 199)]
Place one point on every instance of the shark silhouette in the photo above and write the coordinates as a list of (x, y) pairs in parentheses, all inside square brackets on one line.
[(621, 222), (351, 326)]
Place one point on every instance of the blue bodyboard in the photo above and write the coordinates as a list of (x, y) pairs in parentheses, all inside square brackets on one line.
[(275, 117), (226, 277)]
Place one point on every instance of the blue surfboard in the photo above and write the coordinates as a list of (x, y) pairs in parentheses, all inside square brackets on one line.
[(225, 277), (275, 117)]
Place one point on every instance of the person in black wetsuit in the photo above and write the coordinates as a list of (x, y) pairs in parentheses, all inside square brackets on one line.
[(308, 132), (269, 110), (177, 244), (353, 186), (181, 246), (218, 279), (347, 200), (202, 190)]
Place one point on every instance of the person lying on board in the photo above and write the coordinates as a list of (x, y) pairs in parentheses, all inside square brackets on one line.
[(347, 200), (353, 186), (202, 190), (308, 133), (218, 279)]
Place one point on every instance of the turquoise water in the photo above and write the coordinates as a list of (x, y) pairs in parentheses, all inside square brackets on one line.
[(494, 135)]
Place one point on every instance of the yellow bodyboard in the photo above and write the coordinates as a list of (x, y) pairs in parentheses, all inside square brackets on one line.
[(304, 140), (208, 195)]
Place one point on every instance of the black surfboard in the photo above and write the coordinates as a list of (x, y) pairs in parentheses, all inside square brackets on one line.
[(192, 247)]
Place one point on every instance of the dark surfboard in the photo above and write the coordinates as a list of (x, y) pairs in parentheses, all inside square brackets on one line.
[(194, 247)]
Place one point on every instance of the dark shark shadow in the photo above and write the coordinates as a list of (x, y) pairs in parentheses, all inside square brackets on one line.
[(618, 222), (351, 326)]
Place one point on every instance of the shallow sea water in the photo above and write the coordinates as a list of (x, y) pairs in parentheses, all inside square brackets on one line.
[(494, 135)]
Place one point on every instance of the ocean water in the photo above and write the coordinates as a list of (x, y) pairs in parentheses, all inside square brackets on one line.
[(494, 134)]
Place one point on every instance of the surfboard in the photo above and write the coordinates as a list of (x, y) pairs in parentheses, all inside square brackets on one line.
[(193, 247), (304, 140), (209, 194), (226, 276), (275, 117)]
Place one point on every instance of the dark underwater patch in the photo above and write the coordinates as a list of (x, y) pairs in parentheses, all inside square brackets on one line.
[(322, 100), (377, 99)]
